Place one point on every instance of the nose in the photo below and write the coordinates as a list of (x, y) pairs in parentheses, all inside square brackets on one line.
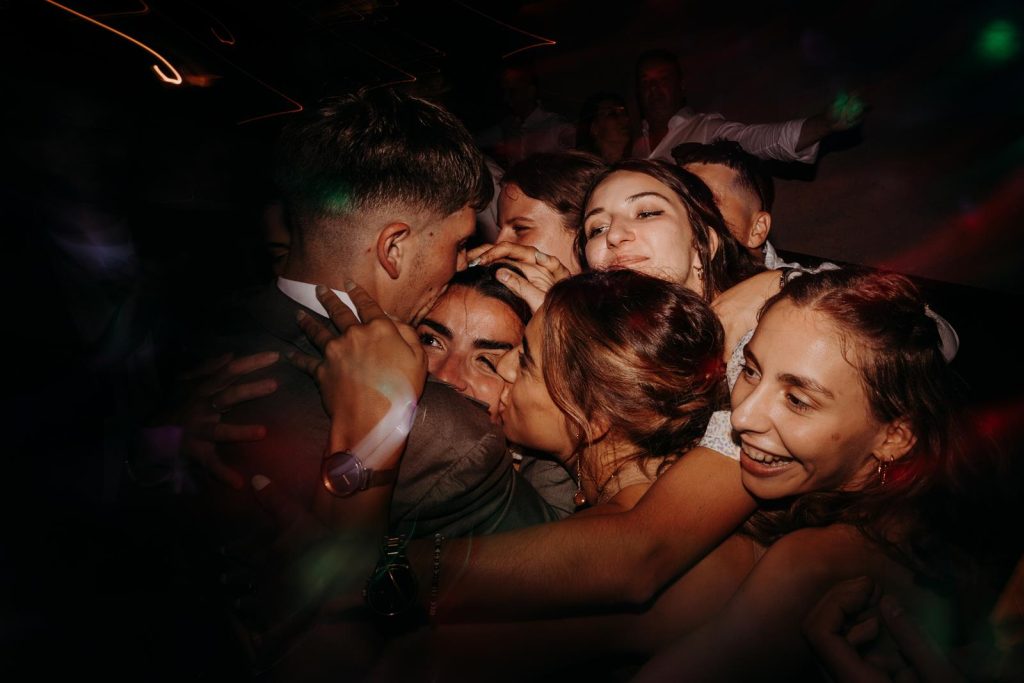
[(619, 232), (750, 410), (450, 372), (507, 234), (508, 365)]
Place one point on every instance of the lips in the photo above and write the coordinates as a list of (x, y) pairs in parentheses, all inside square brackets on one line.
[(626, 261), (763, 463)]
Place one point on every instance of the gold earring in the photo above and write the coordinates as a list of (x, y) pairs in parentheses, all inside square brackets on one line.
[(882, 470), (579, 498)]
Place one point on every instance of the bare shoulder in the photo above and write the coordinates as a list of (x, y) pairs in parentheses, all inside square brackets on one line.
[(820, 554)]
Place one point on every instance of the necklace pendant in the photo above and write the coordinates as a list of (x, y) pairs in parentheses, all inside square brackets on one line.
[(579, 498)]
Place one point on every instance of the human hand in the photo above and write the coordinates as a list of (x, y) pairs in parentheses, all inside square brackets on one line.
[(541, 270), (738, 306), (368, 369), (216, 391), (846, 111), (853, 617)]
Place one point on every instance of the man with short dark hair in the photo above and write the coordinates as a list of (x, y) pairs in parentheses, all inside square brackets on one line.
[(743, 189), (668, 122), (379, 189)]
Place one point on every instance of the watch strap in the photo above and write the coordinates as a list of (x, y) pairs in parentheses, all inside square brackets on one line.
[(380, 478)]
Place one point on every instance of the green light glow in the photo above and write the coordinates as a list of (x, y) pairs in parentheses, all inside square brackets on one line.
[(998, 42)]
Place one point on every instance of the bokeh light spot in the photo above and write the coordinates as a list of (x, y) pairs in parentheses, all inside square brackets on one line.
[(998, 42)]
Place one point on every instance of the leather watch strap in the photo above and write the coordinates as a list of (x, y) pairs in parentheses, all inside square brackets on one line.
[(381, 477)]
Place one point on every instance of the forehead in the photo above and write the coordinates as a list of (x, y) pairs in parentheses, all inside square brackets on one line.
[(467, 312), (621, 185), (657, 70), (804, 342), (514, 203)]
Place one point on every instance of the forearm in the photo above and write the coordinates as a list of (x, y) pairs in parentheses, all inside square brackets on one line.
[(815, 128), (618, 559)]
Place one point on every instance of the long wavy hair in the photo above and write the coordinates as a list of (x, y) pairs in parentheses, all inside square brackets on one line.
[(642, 354), (730, 264), (895, 345)]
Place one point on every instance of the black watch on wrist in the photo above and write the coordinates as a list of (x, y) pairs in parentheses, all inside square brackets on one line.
[(344, 474), (391, 589)]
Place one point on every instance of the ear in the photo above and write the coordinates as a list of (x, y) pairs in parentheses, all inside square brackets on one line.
[(391, 243), (713, 243), (759, 231), (895, 441)]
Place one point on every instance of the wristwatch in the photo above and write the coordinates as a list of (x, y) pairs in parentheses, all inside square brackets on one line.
[(391, 589), (343, 474)]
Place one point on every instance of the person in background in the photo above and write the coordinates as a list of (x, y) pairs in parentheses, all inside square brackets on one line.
[(603, 127), (667, 121), (526, 127)]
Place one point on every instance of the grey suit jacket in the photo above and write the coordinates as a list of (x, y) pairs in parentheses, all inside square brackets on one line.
[(456, 476)]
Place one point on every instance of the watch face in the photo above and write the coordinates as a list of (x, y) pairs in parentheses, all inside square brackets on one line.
[(342, 473), (391, 590)]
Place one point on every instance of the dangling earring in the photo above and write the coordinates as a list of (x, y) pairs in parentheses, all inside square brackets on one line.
[(700, 272), (579, 499), (883, 468)]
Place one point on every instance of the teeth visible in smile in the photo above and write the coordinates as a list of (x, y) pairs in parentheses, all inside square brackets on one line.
[(766, 459)]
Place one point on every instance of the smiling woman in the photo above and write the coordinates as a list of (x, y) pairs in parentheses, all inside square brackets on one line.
[(658, 219), (845, 410)]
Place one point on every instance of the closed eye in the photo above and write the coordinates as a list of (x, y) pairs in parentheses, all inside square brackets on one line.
[(489, 364), (649, 214), (596, 230)]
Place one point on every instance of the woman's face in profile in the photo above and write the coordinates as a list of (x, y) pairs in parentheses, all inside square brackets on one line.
[(800, 408), (464, 335), (637, 222), (526, 411), (530, 222)]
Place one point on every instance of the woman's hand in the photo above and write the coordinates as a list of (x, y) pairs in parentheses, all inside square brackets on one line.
[(216, 391), (366, 369), (542, 270)]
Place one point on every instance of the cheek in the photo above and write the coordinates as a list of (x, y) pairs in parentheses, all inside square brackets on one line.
[(486, 388), (595, 254)]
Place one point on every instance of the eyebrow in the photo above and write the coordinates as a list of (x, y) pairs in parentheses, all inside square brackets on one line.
[(491, 345), (629, 200), (437, 327), (641, 195), (804, 383)]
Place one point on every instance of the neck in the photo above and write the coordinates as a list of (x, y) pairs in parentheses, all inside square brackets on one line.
[(306, 270), (612, 150)]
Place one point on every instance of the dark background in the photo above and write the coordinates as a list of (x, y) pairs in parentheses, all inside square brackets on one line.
[(129, 202)]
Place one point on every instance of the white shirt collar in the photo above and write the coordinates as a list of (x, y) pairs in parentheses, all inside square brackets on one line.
[(305, 294), (678, 119)]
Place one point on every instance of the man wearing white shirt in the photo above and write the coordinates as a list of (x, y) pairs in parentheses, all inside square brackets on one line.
[(668, 122)]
